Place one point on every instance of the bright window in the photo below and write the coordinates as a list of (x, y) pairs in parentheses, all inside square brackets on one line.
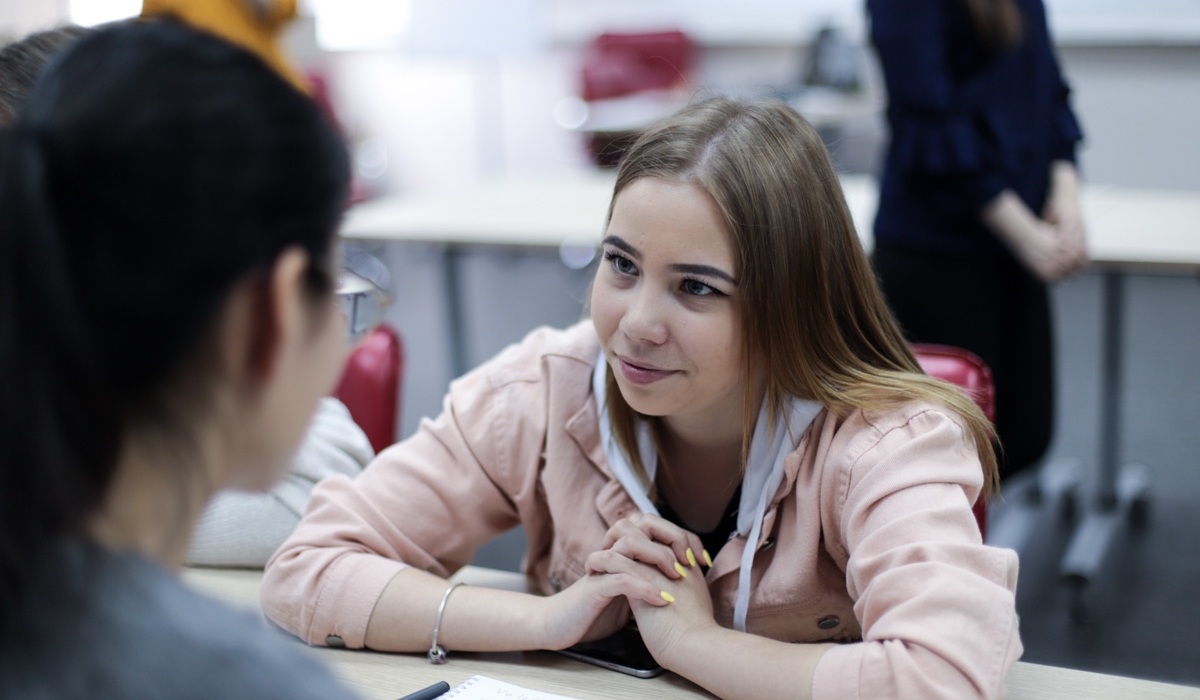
[(361, 25), (92, 12)]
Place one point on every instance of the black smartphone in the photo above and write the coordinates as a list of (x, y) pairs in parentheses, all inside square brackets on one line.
[(624, 651)]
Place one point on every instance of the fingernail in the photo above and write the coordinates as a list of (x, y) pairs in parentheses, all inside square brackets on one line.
[(680, 569), (691, 557), (667, 596), (707, 559)]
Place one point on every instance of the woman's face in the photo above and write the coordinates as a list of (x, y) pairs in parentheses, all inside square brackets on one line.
[(664, 303)]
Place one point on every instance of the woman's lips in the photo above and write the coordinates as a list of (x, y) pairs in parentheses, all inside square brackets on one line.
[(642, 375)]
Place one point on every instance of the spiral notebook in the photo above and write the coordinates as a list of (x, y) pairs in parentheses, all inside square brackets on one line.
[(485, 688)]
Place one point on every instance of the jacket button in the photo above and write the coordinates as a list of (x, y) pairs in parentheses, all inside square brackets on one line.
[(335, 642), (555, 584), (828, 622), (767, 544)]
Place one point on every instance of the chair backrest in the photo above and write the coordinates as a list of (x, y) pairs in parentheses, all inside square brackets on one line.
[(370, 385), (966, 370), (623, 64)]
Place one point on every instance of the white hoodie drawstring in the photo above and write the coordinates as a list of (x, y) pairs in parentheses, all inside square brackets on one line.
[(768, 450)]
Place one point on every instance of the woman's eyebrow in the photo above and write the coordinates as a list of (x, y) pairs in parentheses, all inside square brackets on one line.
[(618, 242)]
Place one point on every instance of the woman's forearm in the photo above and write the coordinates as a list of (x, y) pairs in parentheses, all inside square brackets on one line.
[(1064, 179), (1037, 244), (736, 665), (1013, 222), (475, 618)]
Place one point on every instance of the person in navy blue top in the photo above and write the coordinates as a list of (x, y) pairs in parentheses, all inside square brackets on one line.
[(978, 203)]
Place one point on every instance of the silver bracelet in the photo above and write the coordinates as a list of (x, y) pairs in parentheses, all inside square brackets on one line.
[(437, 654)]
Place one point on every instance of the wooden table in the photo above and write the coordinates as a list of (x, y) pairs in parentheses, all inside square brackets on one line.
[(380, 676)]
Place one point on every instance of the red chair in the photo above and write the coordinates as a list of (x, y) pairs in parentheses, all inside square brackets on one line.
[(370, 385), (617, 65), (966, 370), (620, 65)]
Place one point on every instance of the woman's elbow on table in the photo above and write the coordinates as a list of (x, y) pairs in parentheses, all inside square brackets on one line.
[(896, 670), (289, 590)]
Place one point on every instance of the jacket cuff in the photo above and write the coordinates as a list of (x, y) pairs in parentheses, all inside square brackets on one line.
[(347, 597), (837, 673)]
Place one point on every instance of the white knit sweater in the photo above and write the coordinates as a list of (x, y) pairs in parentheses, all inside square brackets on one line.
[(244, 529)]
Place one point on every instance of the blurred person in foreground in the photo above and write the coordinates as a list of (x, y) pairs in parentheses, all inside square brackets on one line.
[(238, 528), (168, 207)]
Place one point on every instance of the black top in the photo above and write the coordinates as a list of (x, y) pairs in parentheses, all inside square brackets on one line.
[(714, 540), (965, 123), (106, 625)]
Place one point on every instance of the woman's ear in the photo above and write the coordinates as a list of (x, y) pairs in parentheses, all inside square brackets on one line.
[(265, 314), (283, 317)]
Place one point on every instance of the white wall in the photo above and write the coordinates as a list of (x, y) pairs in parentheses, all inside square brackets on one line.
[(759, 22), (446, 121), (1138, 106), (19, 17)]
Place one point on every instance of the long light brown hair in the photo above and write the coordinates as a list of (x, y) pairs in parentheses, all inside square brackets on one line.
[(997, 22), (813, 318)]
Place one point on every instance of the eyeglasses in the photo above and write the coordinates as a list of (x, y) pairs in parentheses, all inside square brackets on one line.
[(363, 304)]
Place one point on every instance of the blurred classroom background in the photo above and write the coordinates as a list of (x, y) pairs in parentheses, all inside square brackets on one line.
[(439, 95)]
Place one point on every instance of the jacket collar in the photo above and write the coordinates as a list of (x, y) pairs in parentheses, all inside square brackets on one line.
[(612, 502)]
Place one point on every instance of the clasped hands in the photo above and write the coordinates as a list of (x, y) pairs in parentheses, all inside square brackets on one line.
[(1058, 247), (647, 567), (1053, 245)]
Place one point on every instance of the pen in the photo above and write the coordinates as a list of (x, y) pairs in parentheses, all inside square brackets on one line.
[(429, 693)]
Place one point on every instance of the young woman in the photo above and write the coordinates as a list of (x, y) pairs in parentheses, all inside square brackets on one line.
[(738, 450), (167, 324), (979, 199)]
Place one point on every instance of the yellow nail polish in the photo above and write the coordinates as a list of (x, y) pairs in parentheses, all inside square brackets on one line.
[(667, 596), (682, 571), (691, 557), (707, 558)]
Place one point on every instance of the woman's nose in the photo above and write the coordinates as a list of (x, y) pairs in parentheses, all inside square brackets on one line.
[(645, 320)]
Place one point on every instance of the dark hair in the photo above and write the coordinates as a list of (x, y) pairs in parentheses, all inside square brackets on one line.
[(22, 61), (997, 22), (152, 169)]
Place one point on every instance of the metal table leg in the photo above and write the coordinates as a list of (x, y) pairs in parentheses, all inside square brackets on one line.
[(454, 312), (1120, 491)]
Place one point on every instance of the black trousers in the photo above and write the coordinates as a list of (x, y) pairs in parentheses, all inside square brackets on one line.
[(995, 309)]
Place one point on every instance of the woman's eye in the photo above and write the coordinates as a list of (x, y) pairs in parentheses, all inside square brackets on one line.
[(698, 288), (622, 264)]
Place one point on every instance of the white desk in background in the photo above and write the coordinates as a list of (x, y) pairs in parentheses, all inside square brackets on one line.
[(379, 676), (1130, 230), (565, 213), (1127, 227)]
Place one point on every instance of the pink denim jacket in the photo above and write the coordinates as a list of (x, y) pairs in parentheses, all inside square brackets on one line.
[(869, 539)]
